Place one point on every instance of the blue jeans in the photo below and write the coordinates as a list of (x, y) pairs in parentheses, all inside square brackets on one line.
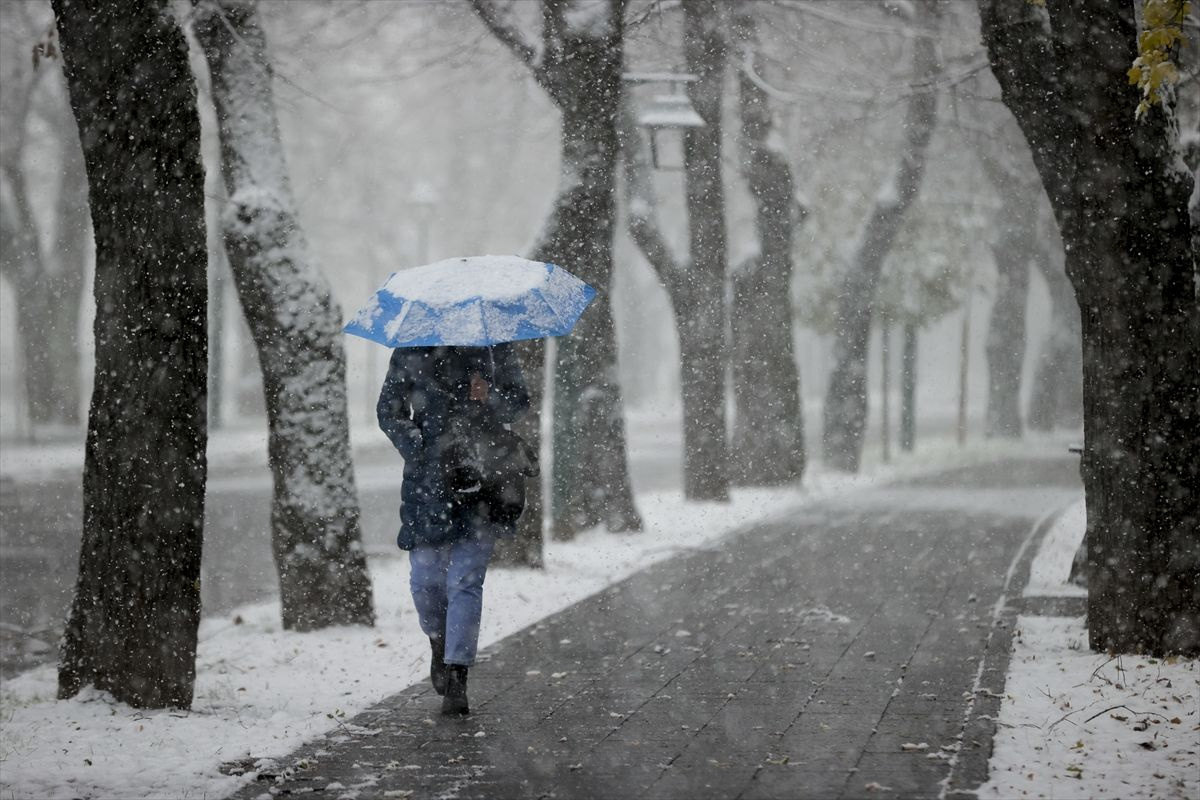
[(447, 588)]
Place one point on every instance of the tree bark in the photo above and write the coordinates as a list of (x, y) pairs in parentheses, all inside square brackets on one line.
[(315, 533), (768, 427), (133, 623), (845, 412), (1122, 207), (578, 63)]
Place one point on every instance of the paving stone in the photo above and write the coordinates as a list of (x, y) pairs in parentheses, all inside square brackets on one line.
[(795, 783)]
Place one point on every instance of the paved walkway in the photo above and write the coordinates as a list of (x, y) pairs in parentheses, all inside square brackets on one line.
[(857, 649)]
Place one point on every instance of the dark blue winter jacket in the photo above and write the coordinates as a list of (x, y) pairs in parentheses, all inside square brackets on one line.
[(425, 388)]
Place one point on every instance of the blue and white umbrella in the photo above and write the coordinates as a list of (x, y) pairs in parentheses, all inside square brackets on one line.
[(472, 302)]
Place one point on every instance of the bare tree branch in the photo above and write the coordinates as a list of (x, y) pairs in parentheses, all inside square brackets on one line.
[(496, 20)]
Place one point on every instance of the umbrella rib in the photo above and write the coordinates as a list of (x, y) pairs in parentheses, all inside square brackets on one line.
[(482, 320), (396, 322)]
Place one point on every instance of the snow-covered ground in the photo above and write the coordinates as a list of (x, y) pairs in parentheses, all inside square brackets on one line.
[(1077, 724)]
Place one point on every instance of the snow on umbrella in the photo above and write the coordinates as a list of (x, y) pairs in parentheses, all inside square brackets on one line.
[(475, 302)]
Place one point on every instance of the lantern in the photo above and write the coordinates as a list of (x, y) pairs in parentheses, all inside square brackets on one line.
[(667, 115)]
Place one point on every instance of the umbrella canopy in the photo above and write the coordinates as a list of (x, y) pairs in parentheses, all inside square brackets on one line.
[(472, 302)]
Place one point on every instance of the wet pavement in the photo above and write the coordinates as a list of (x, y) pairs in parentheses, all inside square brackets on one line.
[(858, 648)]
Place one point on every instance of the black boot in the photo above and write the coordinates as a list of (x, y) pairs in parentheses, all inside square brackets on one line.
[(455, 701), (437, 666)]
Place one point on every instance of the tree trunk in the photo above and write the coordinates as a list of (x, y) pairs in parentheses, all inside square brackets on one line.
[(1057, 396), (908, 389), (845, 413), (133, 623), (48, 285), (1122, 207), (1005, 349), (578, 63), (73, 234), (47, 282), (590, 480), (525, 549), (702, 347), (768, 428), (296, 325)]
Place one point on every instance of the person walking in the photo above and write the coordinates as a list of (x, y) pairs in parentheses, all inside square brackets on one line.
[(444, 408)]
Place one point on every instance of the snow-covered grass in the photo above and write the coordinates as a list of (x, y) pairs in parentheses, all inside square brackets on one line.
[(261, 692), (1078, 724)]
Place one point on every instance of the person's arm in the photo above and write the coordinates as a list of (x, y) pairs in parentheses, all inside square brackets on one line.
[(508, 396), (393, 410)]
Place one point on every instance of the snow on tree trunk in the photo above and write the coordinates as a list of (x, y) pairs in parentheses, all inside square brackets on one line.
[(845, 412), (315, 533), (1121, 201), (768, 422), (1056, 399), (133, 622), (578, 63)]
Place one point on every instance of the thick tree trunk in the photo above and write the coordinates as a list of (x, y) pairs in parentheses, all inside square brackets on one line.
[(1012, 251), (133, 622), (1122, 207), (49, 287), (768, 427), (702, 346), (1057, 397), (845, 412), (590, 481), (315, 533), (908, 389)]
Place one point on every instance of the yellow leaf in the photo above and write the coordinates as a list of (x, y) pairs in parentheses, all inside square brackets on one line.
[(1165, 72)]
